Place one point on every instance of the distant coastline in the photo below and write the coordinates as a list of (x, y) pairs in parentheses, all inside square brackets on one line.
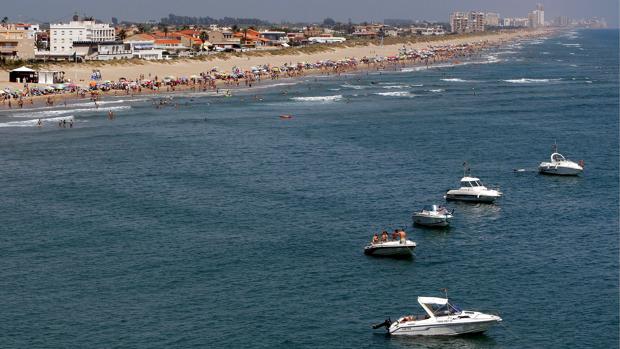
[(80, 72)]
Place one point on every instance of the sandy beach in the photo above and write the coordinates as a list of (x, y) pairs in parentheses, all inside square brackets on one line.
[(80, 73)]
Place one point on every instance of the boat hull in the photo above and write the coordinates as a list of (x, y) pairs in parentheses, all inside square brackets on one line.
[(445, 329), (559, 170), (471, 198), (391, 249), (452, 329), (428, 221)]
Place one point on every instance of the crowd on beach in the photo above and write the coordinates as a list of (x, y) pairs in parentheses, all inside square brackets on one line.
[(237, 77)]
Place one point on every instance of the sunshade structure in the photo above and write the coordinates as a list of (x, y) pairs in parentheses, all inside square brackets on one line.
[(23, 74)]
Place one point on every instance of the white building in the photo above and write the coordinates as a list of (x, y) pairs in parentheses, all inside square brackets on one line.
[(491, 19), (144, 49), (63, 35), (31, 29), (326, 40), (537, 17)]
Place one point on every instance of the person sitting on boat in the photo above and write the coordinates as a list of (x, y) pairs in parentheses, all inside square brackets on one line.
[(384, 236), (375, 239), (395, 235)]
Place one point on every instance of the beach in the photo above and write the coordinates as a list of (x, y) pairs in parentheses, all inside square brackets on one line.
[(80, 73)]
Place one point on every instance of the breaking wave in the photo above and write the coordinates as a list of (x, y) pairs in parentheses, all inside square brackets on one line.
[(318, 98), (530, 81)]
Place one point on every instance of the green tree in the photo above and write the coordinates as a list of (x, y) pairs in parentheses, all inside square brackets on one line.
[(5, 20), (122, 34), (329, 22)]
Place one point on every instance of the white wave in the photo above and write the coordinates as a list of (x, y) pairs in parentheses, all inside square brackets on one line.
[(396, 94), (354, 87), (48, 113), (318, 98), (454, 80), (571, 45), (394, 86), (530, 81), (33, 122), (545, 53), (334, 89), (574, 65), (588, 82), (506, 52), (417, 85), (100, 103), (437, 90)]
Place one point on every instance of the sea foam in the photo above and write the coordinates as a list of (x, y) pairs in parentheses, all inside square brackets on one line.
[(318, 98)]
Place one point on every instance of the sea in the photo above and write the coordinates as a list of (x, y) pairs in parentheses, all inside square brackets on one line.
[(211, 222)]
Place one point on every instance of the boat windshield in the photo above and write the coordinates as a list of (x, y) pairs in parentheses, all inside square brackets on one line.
[(430, 208), (471, 184), (444, 309)]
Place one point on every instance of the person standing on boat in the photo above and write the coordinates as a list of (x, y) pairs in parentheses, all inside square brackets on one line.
[(375, 239), (384, 236), (403, 236)]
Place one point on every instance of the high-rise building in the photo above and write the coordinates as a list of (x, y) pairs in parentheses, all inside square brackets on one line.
[(476, 21), (491, 19), (459, 22), (537, 17), (467, 22)]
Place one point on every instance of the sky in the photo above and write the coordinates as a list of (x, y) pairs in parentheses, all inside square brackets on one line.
[(299, 10)]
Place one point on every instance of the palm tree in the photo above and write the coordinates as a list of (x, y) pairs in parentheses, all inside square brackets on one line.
[(165, 31), (5, 20)]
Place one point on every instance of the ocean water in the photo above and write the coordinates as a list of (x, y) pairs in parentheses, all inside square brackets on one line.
[(211, 222)]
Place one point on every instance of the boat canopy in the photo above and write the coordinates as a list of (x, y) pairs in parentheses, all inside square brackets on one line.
[(471, 182), (432, 300), (469, 179), (557, 157)]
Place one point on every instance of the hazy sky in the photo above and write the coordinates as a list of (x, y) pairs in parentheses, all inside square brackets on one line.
[(299, 10)]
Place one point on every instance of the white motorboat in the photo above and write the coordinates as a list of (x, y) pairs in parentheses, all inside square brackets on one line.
[(473, 190), (395, 248), (560, 166), (433, 216), (442, 319)]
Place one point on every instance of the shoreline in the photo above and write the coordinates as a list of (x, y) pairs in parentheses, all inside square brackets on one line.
[(478, 44)]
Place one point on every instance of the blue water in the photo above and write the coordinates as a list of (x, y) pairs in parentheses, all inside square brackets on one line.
[(218, 224)]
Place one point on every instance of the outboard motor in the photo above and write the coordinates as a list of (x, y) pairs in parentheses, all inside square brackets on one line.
[(385, 324)]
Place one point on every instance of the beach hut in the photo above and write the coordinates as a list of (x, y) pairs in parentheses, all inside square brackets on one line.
[(23, 74), (50, 77)]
